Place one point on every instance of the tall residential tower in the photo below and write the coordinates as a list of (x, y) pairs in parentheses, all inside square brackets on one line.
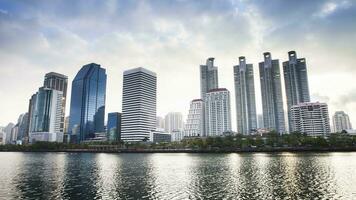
[(245, 97), (296, 82), (271, 89)]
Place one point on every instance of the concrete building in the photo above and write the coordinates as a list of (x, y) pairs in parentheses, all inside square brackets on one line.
[(296, 82), (177, 136), (208, 77), (159, 123), (217, 112), (173, 121), (245, 97), (138, 104), (194, 124), (271, 90), (341, 121), (310, 118), (160, 136)]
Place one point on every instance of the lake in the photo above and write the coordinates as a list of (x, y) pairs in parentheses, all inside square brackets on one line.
[(177, 176)]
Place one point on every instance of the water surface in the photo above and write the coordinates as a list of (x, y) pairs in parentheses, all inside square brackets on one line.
[(177, 176)]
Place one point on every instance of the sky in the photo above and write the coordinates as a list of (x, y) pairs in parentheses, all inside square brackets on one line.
[(172, 38)]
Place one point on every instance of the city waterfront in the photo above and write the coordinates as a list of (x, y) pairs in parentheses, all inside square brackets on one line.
[(177, 176)]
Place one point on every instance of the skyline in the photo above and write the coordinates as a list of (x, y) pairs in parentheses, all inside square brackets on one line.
[(165, 42)]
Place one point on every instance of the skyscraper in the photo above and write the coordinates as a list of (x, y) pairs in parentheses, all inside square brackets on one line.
[(113, 127), (341, 121), (217, 112), (173, 121), (208, 77), (138, 104), (245, 97), (58, 82), (272, 101), (87, 107), (194, 124), (46, 115), (159, 123), (310, 118), (296, 82)]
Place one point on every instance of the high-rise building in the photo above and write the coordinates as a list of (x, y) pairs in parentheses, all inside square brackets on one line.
[(173, 121), (260, 121), (271, 89), (58, 82), (87, 107), (208, 77), (296, 82), (310, 118), (138, 104), (245, 97), (341, 121), (194, 123), (22, 124), (217, 112), (113, 127), (47, 114), (7, 133), (159, 123)]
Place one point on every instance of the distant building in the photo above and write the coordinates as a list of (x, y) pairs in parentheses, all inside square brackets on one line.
[(310, 118), (271, 89), (113, 128), (296, 82), (87, 107), (341, 122), (173, 121), (138, 104), (245, 97), (260, 124), (217, 112), (208, 81), (7, 133), (58, 82), (194, 124), (159, 123), (177, 136), (47, 114), (159, 136)]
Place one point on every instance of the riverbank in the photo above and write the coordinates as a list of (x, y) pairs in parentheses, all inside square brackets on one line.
[(245, 150)]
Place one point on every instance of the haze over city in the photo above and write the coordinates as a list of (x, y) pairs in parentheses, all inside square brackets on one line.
[(172, 38)]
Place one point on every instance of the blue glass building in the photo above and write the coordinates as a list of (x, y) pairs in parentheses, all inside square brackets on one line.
[(87, 106), (114, 126)]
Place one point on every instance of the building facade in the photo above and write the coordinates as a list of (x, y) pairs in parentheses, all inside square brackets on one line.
[(138, 104), (310, 118), (296, 82), (47, 113), (87, 106), (113, 127), (341, 122), (245, 97), (271, 91), (217, 112), (208, 77), (58, 82), (194, 124), (173, 121)]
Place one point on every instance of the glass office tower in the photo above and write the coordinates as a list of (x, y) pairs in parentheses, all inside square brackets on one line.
[(114, 126), (87, 107)]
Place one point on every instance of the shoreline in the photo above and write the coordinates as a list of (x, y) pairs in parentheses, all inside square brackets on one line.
[(246, 150)]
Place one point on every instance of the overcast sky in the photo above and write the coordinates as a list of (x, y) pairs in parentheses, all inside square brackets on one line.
[(172, 38)]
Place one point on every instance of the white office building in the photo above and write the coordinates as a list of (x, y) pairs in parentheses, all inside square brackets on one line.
[(194, 124), (138, 104), (310, 118), (173, 121), (217, 112), (341, 121)]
